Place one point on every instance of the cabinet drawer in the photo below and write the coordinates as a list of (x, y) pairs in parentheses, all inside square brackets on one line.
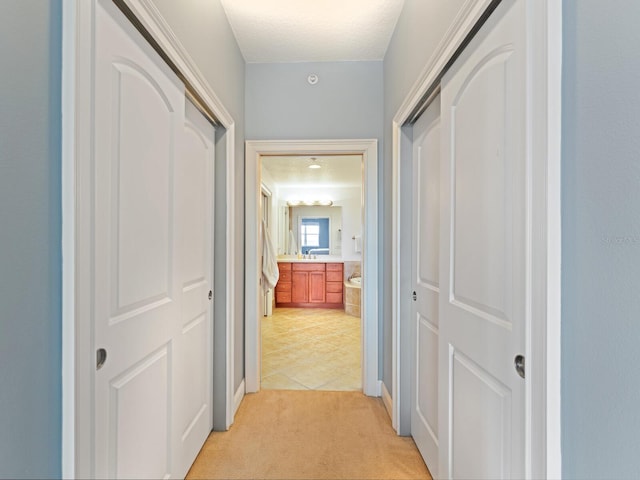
[(308, 267), (334, 297), (334, 267), (285, 276), (334, 276), (284, 267), (283, 297), (283, 287), (334, 287)]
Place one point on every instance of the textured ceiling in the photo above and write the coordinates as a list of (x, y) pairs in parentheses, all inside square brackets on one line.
[(336, 171), (312, 30)]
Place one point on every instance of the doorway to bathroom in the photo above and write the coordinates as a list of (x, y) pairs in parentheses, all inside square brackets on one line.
[(318, 327), (311, 326)]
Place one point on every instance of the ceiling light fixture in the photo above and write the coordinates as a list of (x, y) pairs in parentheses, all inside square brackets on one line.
[(314, 163)]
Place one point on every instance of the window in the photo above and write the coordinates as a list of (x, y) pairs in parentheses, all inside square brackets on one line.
[(314, 235), (310, 234)]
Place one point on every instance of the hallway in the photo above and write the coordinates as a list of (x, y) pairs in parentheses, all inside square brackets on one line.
[(132, 145), (309, 435)]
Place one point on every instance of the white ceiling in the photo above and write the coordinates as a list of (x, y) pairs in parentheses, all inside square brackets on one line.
[(278, 31), (293, 171)]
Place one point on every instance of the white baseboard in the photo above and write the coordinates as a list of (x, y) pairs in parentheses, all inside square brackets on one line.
[(386, 399), (237, 398)]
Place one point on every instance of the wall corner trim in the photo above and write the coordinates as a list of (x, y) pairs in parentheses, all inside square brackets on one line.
[(238, 397), (386, 398)]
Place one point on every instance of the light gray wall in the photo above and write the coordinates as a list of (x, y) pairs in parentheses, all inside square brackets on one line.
[(30, 239), (346, 103), (601, 240), (203, 29), (419, 31)]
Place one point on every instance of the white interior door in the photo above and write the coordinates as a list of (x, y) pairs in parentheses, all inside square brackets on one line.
[(426, 282), (152, 261), (484, 303), (193, 334)]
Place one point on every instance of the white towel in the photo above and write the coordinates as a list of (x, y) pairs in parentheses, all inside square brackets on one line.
[(357, 247), (293, 247), (270, 272)]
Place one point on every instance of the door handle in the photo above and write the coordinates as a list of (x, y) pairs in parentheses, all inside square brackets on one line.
[(519, 364), (101, 358)]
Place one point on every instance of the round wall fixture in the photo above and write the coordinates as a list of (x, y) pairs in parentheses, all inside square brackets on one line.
[(312, 79)]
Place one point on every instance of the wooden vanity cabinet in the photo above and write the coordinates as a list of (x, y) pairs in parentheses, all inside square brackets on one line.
[(334, 283), (283, 287), (300, 287), (309, 285), (316, 287)]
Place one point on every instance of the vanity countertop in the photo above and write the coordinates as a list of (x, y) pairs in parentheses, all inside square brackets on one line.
[(319, 259)]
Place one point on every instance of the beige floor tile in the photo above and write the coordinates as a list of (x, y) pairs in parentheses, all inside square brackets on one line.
[(311, 348), (341, 383), (279, 381)]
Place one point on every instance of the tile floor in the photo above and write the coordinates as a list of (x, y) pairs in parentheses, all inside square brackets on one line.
[(311, 349)]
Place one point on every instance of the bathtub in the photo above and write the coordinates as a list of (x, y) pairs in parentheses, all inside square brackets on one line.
[(353, 296)]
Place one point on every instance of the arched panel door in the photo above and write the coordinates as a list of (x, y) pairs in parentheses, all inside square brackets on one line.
[(485, 242), (425, 277), (152, 261)]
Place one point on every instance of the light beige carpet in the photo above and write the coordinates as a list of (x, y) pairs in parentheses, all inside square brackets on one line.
[(280, 434)]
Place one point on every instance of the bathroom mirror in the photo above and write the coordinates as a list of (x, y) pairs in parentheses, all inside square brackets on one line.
[(317, 230)]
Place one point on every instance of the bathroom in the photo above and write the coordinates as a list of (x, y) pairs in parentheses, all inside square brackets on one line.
[(312, 210)]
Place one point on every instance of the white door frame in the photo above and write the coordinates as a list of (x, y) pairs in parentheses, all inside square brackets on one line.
[(369, 151), (77, 151), (544, 31)]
